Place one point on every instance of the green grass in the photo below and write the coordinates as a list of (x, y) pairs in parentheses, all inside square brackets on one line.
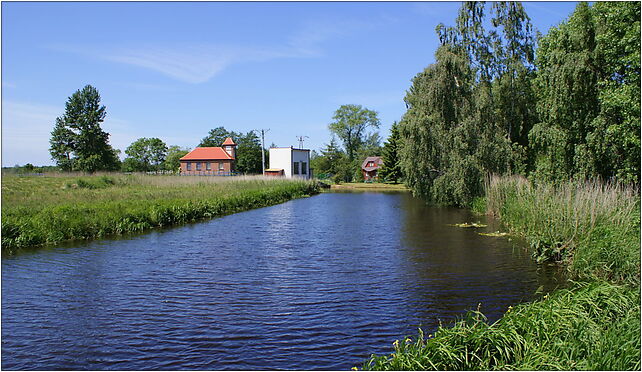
[(593, 326), (52, 209), (593, 230), (370, 186)]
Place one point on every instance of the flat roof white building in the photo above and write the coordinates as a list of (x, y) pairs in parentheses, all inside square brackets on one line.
[(295, 163)]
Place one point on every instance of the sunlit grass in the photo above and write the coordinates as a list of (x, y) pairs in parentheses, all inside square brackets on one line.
[(591, 227), (592, 326), (44, 210)]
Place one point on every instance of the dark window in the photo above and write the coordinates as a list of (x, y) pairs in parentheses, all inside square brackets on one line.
[(198, 166), (221, 167), (208, 166), (304, 167), (295, 167), (189, 166)]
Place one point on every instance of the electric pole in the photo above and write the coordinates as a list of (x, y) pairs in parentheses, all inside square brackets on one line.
[(262, 148)]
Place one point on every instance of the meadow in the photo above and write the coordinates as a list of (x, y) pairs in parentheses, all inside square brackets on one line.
[(592, 229), (49, 209)]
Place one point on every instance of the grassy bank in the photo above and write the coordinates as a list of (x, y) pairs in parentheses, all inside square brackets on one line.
[(52, 209), (592, 229), (370, 186)]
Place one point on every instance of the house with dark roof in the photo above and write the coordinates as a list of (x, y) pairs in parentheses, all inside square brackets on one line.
[(370, 168), (210, 161)]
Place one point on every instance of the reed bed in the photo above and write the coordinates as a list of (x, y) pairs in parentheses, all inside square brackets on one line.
[(48, 210), (593, 229)]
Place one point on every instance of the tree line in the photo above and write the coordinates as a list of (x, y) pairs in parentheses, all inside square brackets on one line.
[(500, 100), (78, 143)]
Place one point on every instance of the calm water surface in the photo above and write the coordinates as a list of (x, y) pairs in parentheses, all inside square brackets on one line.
[(314, 283)]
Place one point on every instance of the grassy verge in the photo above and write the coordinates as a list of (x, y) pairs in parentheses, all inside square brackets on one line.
[(48, 210), (370, 186), (594, 230)]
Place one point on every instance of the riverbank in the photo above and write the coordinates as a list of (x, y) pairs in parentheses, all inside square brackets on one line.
[(51, 209), (370, 186), (591, 229)]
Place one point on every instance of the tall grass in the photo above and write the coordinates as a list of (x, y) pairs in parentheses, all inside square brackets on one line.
[(594, 326), (593, 229), (48, 210)]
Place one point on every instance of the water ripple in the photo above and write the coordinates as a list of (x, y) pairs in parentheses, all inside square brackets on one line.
[(315, 283)]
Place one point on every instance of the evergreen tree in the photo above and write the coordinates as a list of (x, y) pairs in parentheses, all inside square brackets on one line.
[(391, 170), (78, 142)]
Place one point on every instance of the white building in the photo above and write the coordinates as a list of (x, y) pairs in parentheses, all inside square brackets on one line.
[(289, 162)]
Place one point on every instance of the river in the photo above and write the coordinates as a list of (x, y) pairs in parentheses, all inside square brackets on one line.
[(313, 283)]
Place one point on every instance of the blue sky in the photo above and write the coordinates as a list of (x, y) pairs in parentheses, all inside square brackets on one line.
[(175, 70)]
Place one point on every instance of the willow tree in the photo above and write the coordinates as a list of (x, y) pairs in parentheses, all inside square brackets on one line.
[(588, 88), (470, 112)]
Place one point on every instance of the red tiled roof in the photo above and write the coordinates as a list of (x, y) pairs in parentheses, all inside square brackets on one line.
[(207, 153), (229, 141)]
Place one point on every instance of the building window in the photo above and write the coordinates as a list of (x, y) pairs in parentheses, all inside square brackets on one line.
[(295, 167), (221, 167), (189, 166), (198, 166), (304, 167), (208, 166)]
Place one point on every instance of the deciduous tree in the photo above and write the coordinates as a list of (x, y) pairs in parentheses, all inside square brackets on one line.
[(146, 154), (78, 142), (350, 125)]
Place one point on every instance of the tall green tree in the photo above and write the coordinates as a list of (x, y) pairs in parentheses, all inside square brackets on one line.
[(78, 142), (588, 90), (350, 125), (146, 154), (215, 137), (172, 160), (502, 58), (62, 145), (391, 170), (248, 153)]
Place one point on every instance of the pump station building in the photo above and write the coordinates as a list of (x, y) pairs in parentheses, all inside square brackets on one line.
[(289, 162)]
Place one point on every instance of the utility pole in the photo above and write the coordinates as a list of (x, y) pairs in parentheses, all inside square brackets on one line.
[(301, 139), (262, 147)]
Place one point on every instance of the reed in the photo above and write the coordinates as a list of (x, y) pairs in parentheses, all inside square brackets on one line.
[(49, 210), (593, 229)]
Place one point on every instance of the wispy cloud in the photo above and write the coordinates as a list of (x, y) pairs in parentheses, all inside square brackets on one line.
[(198, 63)]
